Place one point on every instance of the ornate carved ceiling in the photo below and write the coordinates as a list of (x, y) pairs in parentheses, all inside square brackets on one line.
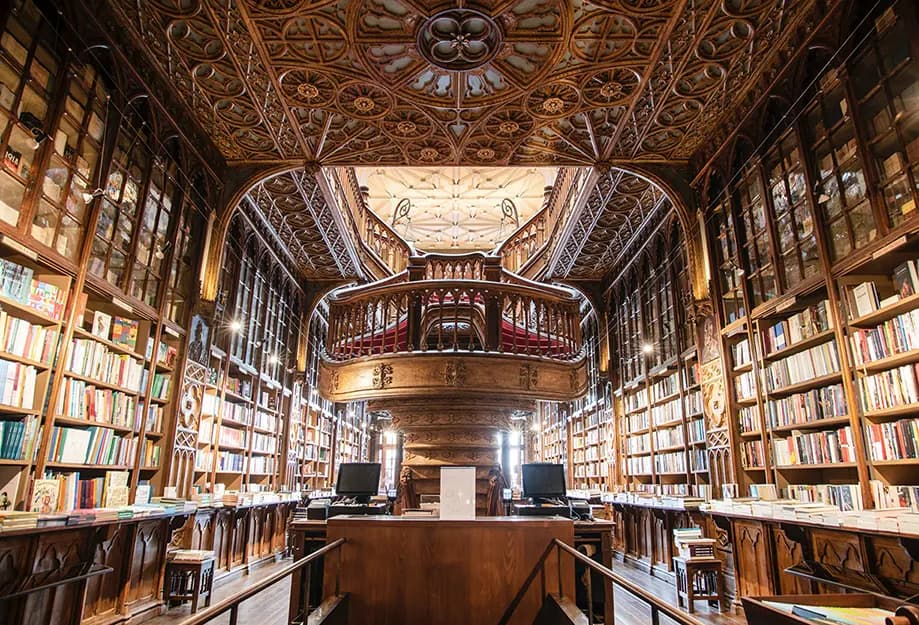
[(297, 211), (615, 210), (414, 82), (456, 209)]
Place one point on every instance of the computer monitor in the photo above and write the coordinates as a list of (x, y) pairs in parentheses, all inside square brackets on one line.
[(360, 480), (543, 480)]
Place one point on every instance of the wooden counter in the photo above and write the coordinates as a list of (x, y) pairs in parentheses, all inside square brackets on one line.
[(135, 550), (420, 571)]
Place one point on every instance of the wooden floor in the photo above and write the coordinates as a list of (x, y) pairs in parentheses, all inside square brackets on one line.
[(270, 607)]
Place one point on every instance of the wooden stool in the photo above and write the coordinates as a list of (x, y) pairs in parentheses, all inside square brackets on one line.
[(699, 579), (186, 580)]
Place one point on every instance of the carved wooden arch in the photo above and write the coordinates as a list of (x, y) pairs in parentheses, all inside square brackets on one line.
[(677, 189)]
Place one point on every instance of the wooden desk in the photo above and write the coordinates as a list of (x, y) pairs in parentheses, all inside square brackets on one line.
[(409, 570)]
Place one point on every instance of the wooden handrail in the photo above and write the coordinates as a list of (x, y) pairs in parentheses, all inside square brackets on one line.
[(232, 603), (657, 605), (387, 287)]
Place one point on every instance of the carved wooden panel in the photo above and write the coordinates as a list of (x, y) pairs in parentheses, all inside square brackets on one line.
[(788, 552), (839, 549), (889, 560), (202, 532), (221, 542), (55, 554), (103, 593), (751, 553), (239, 536), (147, 556)]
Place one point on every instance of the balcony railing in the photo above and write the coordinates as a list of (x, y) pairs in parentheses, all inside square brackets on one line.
[(464, 303)]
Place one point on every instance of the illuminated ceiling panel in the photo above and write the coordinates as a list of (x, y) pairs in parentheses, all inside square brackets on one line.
[(455, 209)]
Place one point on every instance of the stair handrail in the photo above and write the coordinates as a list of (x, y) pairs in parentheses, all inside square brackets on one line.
[(231, 604), (657, 605)]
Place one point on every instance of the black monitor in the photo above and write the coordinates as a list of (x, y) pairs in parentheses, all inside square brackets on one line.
[(360, 480), (544, 480)]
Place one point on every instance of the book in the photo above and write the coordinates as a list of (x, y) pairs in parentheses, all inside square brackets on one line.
[(865, 298), (124, 331), (116, 489), (102, 324), (45, 496), (903, 280), (11, 159)]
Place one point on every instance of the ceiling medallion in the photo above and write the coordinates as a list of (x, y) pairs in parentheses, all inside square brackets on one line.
[(363, 104), (428, 154), (308, 91), (459, 39), (611, 90), (553, 106), (485, 154), (406, 128), (508, 127)]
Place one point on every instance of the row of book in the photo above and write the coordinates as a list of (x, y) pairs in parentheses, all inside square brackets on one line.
[(696, 430), (752, 454), (19, 284), (635, 401), (820, 403), (119, 330), (674, 462), (889, 389), (822, 447), (27, 340), (639, 444), (17, 384), (669, 437), (638, 421), (894, 336), (264, 443), (817, 361), (698, 460), (844, 496), (863, 299), (18, 438), (798, 327), (238, 413), (694, 402), (748, 418), (745, 386), (92, 359), (83, 400), (160, 388), (264, 465), (232, 437), (151, 454), (93, 445), (667, 412), (665, 387), (891, 496), (898, 440), (639, 465), (741, 354), (266, 421)]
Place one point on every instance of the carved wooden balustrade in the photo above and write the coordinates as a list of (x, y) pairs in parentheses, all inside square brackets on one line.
[(451, 308), (388, 252), (524, 244)]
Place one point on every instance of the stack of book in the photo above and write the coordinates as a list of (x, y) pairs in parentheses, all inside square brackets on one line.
[(12, 519)]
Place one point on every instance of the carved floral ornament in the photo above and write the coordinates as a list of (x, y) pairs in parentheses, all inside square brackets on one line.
[(459, 39)]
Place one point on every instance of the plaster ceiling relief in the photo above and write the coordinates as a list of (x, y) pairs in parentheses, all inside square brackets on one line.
[(484, 83), (456, 208)]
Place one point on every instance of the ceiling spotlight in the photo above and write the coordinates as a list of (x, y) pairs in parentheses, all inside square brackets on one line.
[(273, 359), (535, 427), (647, 348), (235, 326)]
